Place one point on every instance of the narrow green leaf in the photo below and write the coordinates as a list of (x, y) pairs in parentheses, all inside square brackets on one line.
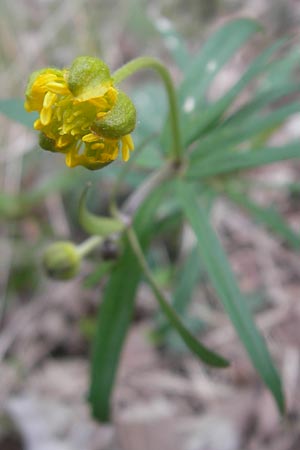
[(184, 287), (93, 224), (204, 354), (220, 164), (196, 347), (185, 281), (174, 42), (195, 115), (284, 70), (13, 108), (116, 311), (267, 216), (223, 280), (217, 50), (259, 101), (199, 119), (259, 123), (228, 136)]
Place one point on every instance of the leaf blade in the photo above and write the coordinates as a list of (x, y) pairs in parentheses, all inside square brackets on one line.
[(115, 314), (195, 115), (267, 216), (231, 161), (204, 354), (223, 280), (199, 120), (217, 50)]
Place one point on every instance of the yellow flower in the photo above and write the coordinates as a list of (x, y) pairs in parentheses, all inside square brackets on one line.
[(81, 113)]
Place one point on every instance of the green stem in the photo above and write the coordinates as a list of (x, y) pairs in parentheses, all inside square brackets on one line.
[(135, 245), (88, 245), (134, 201), (192, 343), (122, 175), (151, 63)]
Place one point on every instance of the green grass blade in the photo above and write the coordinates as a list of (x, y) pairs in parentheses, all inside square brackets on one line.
[(266, 216), (115, 314), (223, 280), (13, 108)]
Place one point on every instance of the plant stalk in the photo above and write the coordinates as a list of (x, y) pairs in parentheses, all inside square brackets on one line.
[(152, 63)]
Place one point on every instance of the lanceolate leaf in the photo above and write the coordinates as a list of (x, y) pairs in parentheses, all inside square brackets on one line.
[(268, 217), (195, 115), (198, 120), (203, 353), (260, 101), (225, 137), (115, 314), (218, 49), (223, 280), (186, 279), (232, 161)]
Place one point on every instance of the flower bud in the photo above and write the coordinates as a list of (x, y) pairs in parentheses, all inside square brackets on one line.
[(61, 260)]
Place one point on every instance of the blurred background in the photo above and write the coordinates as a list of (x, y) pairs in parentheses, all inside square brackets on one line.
[(164, 398)]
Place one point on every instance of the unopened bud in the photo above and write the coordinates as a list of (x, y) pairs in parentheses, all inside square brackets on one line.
[(61, 260)]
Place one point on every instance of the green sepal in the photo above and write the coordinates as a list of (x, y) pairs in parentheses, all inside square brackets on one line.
[(87, 73), (119, 121), (94, 165), (47, 143)]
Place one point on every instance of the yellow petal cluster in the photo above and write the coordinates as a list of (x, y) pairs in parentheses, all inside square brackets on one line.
[(81, 113)]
